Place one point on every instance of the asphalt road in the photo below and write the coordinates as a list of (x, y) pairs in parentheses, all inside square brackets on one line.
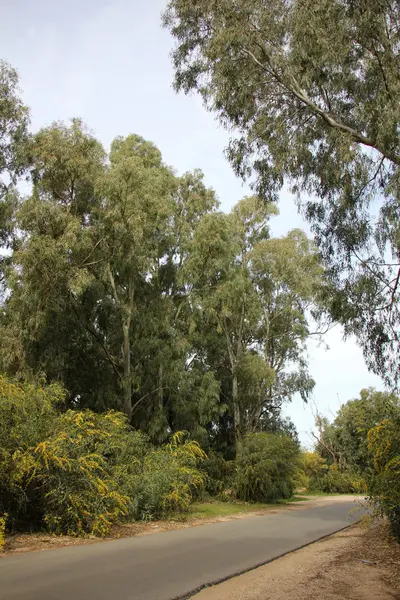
[(167, 565)]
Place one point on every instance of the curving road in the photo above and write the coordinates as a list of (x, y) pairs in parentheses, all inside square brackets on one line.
[(169, 565)]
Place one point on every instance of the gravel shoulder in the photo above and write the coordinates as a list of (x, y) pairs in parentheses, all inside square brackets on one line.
[(358, 563)]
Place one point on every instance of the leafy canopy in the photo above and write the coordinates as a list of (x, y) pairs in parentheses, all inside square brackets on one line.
[(311, 90)]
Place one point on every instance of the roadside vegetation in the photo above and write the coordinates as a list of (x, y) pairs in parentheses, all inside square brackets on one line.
[(78, 472), (149, 340)]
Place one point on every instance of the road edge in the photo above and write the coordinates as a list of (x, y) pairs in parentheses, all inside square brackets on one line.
[(195, 591)]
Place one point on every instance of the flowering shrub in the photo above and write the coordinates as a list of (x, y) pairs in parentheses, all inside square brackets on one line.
[(384, 487), (79, 472)]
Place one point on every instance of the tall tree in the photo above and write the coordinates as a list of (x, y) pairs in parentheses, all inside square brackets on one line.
[(49, 277), (132, 225), (177, 390), (345, 440), (14, 120), (312, 90), (252, 296), (96, 299)]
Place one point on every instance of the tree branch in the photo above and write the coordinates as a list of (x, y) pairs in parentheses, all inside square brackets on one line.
[(97, 338), (329, 119), (162, 387)]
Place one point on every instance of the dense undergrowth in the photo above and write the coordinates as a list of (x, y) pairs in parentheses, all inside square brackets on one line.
[(79, 472)]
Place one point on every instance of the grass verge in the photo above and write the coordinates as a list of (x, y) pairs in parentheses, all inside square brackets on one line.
[(215, 508)]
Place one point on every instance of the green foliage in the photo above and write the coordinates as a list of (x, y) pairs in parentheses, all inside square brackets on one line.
[(337, 482), (384, 488), (266, 468), (130, 289), (3, 520), (74, 470), (95, 299), (170, 479), (311, 466), (62, 470), (220, 475), (14, 119), (345, 439), (80, 472), (310, 90), (245, 288), (27, 417), (357, 417)]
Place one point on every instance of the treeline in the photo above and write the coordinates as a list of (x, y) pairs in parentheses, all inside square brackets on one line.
[(132, 310), (127, 285), (79, 472), (359, 452)]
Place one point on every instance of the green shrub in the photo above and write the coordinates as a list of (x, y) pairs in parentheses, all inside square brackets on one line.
[(3, 519), (219, 475), (27, 416), (338, 482), (266, 467), (79, 468), (384, 485), (300, 480), (311, 466), (170, 479), (79, 473), (71, 480)]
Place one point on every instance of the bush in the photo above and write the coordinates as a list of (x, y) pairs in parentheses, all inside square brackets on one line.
[(300, 480), (219, 475), (27, 416), (266, 467), (80, 472), (384, 485), (338, 482), (71, 480), (3, 519), (311, 466), (170, 479)]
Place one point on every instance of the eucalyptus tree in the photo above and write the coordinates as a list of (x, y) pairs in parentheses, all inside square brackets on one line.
[(345, 439), (312, 91), (14, 121), (45, 319), (253, 297), (96, 299)]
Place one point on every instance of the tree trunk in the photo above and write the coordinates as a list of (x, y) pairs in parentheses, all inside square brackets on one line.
[(236, 415), (126, 316), (127, 381), (160, 388)]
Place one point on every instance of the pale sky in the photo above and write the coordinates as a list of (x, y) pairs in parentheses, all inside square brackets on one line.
[(108, 63)]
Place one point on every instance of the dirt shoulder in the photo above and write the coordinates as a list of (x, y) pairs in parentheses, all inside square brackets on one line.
[(358, 563), (28, 542)]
